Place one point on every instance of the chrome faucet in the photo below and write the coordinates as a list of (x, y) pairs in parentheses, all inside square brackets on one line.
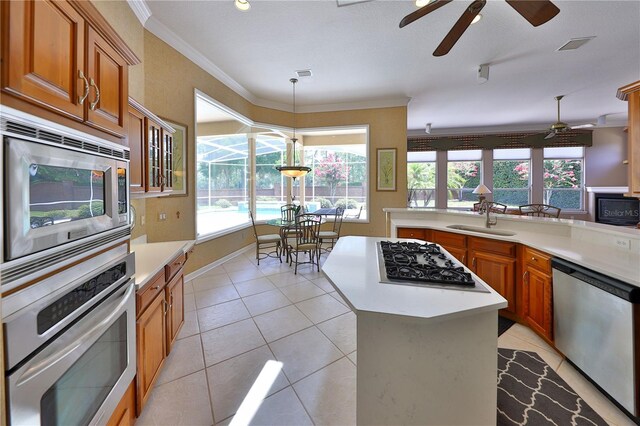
[(488, 221)]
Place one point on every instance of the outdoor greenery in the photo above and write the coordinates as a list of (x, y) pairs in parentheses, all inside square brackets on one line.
[(421, 178), (346, 203)]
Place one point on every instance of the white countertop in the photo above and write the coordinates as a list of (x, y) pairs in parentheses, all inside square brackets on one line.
[(352, 268), (588, 244), (152, 257)]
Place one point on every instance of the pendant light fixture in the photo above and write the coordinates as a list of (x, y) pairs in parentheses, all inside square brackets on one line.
[(294, 171), (242, 5)]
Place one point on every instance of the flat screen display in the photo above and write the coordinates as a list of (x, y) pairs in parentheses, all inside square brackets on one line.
[(618, 211)]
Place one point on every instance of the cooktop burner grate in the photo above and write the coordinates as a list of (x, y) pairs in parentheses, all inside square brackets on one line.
[(422, 264)]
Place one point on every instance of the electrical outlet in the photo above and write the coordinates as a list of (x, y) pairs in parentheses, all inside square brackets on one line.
[(623, 243), (162, 216)]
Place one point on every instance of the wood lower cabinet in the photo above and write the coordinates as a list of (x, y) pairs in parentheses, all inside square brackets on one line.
[(495, 263), (417, 233), (151, 347), (160, 315), (125, 412), (456, 244), (62, 56), (537, 292), (175, 314)]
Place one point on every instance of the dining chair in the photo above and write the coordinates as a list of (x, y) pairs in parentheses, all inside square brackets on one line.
[(494, 207), (333, 235), (288, 212), (356, 215), (306, 241), (540, 210), (267, 241)]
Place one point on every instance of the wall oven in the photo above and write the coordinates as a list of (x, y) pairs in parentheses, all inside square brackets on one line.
[(65, 193), (70, 343)]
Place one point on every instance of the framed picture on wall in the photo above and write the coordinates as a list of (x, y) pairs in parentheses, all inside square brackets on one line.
[(386, 169), (179, 158)]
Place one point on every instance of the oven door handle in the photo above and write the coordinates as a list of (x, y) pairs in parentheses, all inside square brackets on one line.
[(97, 330)]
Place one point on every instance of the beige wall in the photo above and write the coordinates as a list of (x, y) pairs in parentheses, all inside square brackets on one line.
[(165, 84), (604, 159)]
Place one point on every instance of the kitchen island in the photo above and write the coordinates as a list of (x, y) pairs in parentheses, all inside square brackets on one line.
[(425, 355)]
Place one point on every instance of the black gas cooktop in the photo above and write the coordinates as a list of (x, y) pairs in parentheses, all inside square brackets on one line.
[(422, 264)]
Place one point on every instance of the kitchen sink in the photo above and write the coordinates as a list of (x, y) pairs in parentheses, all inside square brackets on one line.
[(482, 230)]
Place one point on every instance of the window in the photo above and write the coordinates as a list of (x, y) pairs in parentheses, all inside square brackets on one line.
[(511, 176), (421, 179), (223, 171), (463, 175), (271, 187), (339, 172), (563, 177)]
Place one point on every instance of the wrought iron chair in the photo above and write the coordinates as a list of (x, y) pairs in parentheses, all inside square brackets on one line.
[(333, 235), (288, 212), (269, 241), (494, 207), (305, 240), (540, 210)]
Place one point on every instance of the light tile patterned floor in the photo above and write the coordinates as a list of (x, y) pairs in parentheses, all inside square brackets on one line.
[(240, 315)]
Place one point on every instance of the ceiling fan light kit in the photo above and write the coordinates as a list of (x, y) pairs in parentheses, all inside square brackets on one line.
[(558, 126), (536, 12)]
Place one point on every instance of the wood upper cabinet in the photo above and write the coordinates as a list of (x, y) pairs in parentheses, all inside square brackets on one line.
[(151, 347), (495, 263), (108, 85), (631, 94), (537, 291), (64, 57), (43, 54), (150, 142)]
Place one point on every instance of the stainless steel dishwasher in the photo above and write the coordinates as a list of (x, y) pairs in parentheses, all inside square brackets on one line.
[(594, 328)]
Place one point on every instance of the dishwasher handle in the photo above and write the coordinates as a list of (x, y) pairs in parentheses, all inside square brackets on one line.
[(613, 286)]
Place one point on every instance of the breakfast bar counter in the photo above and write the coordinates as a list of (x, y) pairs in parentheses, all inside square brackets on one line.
[(423, 352)]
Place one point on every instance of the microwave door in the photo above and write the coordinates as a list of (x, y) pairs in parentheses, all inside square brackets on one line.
[(54, 196)]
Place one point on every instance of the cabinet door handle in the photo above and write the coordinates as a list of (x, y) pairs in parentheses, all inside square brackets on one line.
[(82, 98), (473, 262), (463, 256), (93, 104), (524, 277), (166, 307)]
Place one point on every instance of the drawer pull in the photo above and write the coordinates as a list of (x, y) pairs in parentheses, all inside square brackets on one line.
[(534, 259), (156, 287)]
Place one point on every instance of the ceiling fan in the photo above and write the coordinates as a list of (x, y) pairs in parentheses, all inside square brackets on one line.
[(558, 126), (537, 12)]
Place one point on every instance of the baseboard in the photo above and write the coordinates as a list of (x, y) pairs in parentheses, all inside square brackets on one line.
[(207, 268)]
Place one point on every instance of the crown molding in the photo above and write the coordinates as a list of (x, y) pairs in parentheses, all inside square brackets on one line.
[(173, 40), (140, 9)]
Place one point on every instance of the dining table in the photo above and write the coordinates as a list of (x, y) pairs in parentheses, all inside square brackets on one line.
[(286, 226)]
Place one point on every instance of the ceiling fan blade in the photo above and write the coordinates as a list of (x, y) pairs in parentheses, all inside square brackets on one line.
[(550, 136), (459, 28), (537, 12), (414, 16)]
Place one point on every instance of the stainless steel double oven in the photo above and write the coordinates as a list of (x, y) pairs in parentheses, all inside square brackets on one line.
[(68, 294)]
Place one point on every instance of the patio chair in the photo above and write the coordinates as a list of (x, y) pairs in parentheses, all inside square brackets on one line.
[(304, 241), (494, 207), (354, 216), (540, 210), (268, 241), (333, 235), (288, 212)]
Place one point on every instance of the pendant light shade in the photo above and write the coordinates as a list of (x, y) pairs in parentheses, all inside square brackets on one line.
[(294, 171)]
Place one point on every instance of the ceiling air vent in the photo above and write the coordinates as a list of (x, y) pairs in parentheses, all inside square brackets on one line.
[(575, 43), (304, 73)]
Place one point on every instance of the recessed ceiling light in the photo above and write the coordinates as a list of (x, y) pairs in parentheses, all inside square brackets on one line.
[(575, 43), (423, 3), (477, 18), (242, 5)]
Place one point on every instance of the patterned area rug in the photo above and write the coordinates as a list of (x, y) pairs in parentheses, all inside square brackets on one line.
[(531, 393)]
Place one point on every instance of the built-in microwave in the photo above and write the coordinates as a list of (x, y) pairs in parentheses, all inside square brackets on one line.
[(59, 188)]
